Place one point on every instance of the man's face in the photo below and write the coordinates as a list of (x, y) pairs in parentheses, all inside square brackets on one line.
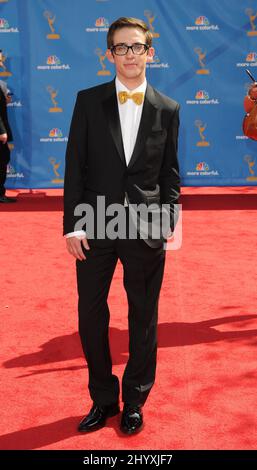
[(130, 66)]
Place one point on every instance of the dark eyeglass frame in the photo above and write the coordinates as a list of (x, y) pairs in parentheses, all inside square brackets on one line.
[(146, 48)]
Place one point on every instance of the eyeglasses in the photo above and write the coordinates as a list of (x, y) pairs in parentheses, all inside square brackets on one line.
[(122, 49)]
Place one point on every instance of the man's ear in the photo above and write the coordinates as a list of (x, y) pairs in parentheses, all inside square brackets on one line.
[(150, 55), (109, 56)]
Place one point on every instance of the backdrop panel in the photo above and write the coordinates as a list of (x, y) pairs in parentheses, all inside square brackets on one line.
[(53, 48)]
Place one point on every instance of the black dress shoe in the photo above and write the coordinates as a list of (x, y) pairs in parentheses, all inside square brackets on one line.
[(97, 416), (132, 419), (7, 199)]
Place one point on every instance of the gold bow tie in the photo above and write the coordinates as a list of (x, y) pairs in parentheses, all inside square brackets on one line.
[(138, 97)]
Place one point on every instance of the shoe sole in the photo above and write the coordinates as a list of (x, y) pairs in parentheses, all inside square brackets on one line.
[(100, 426)]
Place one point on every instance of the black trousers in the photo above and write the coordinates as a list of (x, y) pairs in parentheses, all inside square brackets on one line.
[(143, 268), (4, 160)]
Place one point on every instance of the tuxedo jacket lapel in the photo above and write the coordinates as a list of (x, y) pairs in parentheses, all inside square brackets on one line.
[(110, 106)]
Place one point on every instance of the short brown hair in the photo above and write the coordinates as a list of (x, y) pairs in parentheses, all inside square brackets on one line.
[(127, 22)]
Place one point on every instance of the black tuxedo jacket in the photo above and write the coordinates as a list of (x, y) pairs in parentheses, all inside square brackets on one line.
[(4, 124), (95, 160)]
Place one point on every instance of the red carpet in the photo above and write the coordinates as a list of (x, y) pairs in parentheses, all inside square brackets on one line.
[(205, 391)]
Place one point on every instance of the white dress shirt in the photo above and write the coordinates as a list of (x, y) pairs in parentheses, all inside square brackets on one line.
[(130, 115)]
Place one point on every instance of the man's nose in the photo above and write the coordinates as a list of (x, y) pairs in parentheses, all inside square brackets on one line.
[(130, 53)]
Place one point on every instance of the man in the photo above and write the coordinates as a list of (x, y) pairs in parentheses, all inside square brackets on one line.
[(122, 146), (5, 136), (249, 121), (250, 98)]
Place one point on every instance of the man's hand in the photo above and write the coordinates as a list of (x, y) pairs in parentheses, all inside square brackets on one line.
[(3, 138), (75, 249)]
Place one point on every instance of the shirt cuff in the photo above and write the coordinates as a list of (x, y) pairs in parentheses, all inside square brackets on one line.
[(80, 234)]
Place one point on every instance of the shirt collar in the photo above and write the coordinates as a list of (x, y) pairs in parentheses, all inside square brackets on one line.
[(121, 87)]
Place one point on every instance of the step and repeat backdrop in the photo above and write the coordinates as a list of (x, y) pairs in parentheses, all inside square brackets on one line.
[(54, 48)]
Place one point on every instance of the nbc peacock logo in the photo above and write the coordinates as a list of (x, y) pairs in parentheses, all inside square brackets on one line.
[(53, 60), (55, 132), (102, 22), (54, 135), (202, 166), (202, 23), (4, 24), (101, 25), (157, 63), (5, 27), (13, 173), (202, 169), (251, 57), (53, 63), (202, 95), (249, 61)]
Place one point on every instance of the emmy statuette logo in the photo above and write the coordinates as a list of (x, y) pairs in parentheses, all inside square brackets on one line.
[(201, 128), (102, 58), (51, 19), (201, 59), (53, 93), (252, 18), (151, 18), (251, 162), (55, 167)]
